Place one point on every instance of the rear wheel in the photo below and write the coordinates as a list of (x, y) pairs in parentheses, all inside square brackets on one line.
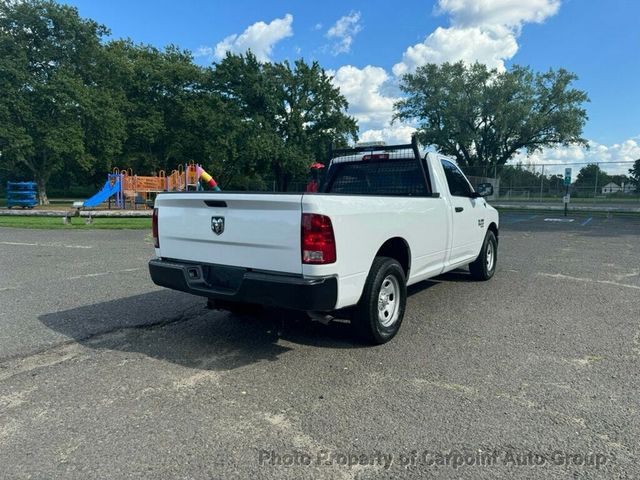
[(378, 315), (483, 267)]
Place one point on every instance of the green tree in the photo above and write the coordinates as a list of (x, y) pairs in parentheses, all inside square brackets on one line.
[(310, 117), (483, 117), (520, 176), (620, 179), (74, 107), (55, 109), (291, 114), (634, 173), (169, 107), (591, 176), (245, 152)]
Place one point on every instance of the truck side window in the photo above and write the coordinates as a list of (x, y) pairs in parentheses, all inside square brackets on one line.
[(458, 184)]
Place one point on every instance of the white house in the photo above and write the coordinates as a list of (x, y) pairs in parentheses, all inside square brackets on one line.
[(611, 187)]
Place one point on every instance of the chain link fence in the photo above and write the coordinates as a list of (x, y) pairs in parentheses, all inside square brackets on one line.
[(594, 182), (591, 183)]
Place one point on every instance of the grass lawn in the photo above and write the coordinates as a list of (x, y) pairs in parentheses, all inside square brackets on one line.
[(558, 199), (76, 223), (570, 212)]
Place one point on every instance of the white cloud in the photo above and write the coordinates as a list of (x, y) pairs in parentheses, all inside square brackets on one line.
[(486, 45), (481, 30), (511, 13), (371, 93), (363, 89), (391, 134), (260, 38), (343, 32), (203, 52)]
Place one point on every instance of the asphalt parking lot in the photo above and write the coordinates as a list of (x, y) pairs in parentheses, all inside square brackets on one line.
[(533, 374)]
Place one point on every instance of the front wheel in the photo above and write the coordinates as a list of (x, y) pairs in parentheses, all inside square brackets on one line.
[(483, 267), (378, 315)]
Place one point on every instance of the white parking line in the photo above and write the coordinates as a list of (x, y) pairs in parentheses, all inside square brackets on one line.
[(102, 274), (45, 245), (588, 280), (89, 275)]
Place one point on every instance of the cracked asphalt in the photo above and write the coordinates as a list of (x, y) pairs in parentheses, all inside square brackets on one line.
[(533, 374)]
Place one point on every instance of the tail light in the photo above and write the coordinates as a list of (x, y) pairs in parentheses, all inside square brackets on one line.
[(318, 242), (154, 229)]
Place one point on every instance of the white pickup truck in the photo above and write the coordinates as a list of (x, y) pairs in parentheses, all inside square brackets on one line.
[(385, 218)]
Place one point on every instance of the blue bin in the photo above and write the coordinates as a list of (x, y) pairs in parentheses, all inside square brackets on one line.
[(22, 194)]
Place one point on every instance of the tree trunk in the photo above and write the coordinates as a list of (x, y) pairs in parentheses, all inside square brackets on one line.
[(278, 177), (42, 190)]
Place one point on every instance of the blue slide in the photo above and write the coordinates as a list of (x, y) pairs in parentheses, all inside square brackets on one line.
[(107, 191)]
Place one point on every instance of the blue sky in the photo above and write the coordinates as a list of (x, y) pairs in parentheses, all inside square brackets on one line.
[(367, 44)]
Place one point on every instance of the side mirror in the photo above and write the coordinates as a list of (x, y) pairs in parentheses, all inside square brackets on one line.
[(484, 190)]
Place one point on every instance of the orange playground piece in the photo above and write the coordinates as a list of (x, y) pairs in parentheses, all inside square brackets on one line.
[(134, 191)]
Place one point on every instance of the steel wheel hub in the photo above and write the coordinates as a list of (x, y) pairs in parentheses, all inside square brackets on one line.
[(388, 301), (490, 257)]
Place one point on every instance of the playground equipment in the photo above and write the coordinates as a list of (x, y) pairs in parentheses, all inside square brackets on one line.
[(207, 179), (111, 187), (125, 188), (22, 194)]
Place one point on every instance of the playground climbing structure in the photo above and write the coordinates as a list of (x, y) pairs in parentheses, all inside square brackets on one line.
[(124, 189)]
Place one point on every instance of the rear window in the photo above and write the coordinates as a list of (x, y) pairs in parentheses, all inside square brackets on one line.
[(370, 177)]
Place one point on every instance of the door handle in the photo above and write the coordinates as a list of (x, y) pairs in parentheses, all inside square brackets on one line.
[(459, 209)]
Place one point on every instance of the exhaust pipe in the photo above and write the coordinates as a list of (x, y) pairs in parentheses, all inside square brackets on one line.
[(322, 317)]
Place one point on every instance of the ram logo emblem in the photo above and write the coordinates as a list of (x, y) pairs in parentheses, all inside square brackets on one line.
[(217, 225)]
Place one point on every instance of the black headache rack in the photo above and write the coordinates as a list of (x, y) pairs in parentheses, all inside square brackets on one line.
[(342, 152), (381, 153)]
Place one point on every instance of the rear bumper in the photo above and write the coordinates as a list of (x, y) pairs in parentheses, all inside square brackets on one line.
[(235, 284)]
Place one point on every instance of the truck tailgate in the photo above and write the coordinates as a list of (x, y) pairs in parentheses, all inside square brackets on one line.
[(257, 231)]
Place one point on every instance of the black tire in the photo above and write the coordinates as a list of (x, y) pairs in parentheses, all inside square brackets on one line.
[(483, 267), (367, 317)]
